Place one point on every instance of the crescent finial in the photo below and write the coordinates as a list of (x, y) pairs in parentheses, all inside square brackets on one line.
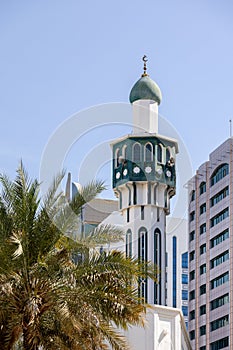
[(145, 59)]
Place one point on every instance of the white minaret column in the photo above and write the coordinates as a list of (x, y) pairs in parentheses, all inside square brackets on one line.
[(145, 117), (144, 181)]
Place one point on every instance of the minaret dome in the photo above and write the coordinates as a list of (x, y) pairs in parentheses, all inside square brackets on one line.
[(145, 88)]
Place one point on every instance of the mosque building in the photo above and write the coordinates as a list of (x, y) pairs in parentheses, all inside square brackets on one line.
[(144, 181)]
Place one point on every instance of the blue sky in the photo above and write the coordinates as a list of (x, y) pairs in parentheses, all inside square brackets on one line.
[(60, 57)]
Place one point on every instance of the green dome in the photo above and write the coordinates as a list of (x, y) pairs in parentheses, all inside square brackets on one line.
[(145, 89)]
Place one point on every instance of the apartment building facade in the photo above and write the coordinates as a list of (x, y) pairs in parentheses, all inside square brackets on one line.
[(211, 251)]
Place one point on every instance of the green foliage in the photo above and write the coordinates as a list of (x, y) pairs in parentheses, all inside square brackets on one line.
[(56, 291)]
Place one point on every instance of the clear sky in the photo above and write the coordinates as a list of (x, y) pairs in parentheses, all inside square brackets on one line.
[(59, 57)]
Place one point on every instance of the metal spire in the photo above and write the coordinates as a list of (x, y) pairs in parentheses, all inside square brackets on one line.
[(145, 59)]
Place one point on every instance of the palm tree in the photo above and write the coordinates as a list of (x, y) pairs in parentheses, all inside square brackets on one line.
[(48, 300)]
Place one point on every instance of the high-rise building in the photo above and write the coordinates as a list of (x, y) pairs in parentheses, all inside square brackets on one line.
[(211, 251)]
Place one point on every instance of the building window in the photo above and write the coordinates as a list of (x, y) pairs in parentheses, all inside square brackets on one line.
[(219, 217), (128, 244), (117, 153), (192, 335), (221, 258), (202, 188), (159, 154), (219, 238), (192, 315), (219, 344), (202, 269), (148, 152), (127, 214), (203, 289), (192, 275), (203, 208), (203, 309), (192, 295), (218, 281), (203, 347), (192, 216), (192, 196), (136, 153), (174, 269), (202, 229), (142, 254), (134, 193), (219, 323), (191, 236), (142, 212), (157, 261), (203, 249), (184, 278), (184, 294), (184, 260), (192, 255), (220, 301), (185, 310), (202, 330), (219, 174), (219, 196)]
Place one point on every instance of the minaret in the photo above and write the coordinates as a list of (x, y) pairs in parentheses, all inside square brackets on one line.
[(144, 180)]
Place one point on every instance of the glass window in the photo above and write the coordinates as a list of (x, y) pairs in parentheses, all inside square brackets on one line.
[(202, 188), (218, 302), (185, 260), (202, 229), (218, 281), (192, 196), (219, 238), (219, 217), (192, 255), (203, 347), (219, 196), (203, 289), (184, 278), (219, 344), (192, 315), (203, 309), (191, 236), (185, 310), (184, 294), (192, 216), (219, 259), (202, 269), (192, 335), (202, 330), (219, 174), (192, 295), (203, 208), (192, 275), (219, 323), (203, 249)]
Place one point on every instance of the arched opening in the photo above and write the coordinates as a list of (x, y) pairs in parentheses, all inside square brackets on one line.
[(142, 256), (159, 153), (128, 244), (117, 155), (136, 153), (148, 152), (219, 173), (157, 262)]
